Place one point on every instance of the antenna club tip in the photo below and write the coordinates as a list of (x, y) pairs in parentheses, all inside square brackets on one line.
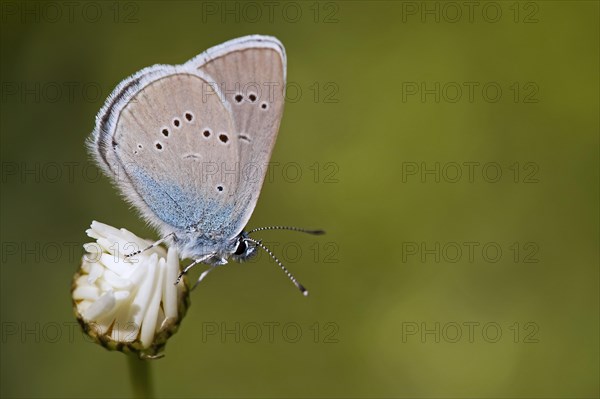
[(303, 290), (318, 232)]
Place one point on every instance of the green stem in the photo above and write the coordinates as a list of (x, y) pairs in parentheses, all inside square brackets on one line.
[(141, 377)]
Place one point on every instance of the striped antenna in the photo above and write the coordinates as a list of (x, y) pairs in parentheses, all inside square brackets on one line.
[(301, 230), (286, 271)]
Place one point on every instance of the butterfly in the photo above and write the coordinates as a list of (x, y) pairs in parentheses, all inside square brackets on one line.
[(189, 146)]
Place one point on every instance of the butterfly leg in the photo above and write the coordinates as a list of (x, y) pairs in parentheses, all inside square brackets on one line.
[(157, 243), (204, 274), (188, 267)]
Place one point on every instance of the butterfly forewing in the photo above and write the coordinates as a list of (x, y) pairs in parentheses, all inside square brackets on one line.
[(250, 73)]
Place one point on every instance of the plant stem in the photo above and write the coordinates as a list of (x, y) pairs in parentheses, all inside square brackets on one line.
[(141, 377)]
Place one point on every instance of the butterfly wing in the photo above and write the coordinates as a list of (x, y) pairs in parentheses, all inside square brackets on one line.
[(178, 147), (250, 73)]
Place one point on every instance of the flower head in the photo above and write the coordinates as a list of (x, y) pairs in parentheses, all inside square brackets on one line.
[(130, 304)]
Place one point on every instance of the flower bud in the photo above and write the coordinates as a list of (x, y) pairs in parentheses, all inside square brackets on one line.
[(128, 303)]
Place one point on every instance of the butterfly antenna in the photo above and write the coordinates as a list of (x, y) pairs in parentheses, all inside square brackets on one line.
[(301, 230), (286, 271)]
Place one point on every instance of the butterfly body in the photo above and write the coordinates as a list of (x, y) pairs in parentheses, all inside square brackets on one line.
[(194, 245)]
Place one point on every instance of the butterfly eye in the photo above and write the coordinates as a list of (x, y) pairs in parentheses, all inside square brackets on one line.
[(241, 248)]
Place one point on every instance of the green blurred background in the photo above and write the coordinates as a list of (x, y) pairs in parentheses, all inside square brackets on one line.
[(395, 310)]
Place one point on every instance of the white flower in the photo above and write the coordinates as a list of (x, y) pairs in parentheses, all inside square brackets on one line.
[(128, 303)]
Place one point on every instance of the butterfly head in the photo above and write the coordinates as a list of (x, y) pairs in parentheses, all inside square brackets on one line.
[(244, 248)]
